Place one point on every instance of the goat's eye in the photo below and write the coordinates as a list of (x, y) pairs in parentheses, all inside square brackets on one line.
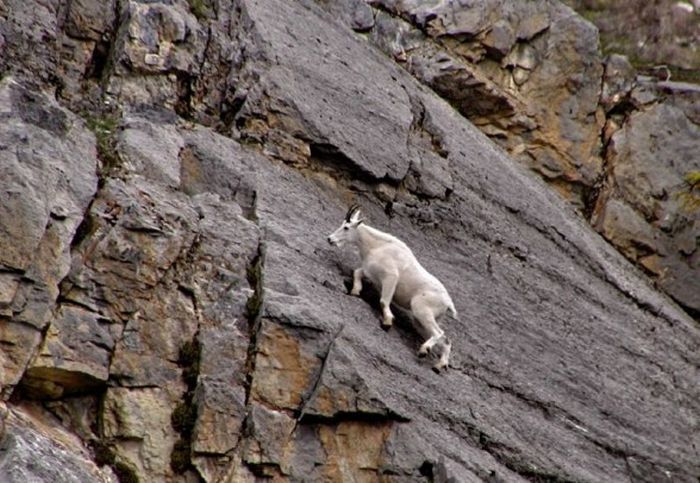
[(345, 228)]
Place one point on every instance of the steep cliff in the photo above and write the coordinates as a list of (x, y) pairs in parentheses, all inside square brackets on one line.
[(171, 311), (530, 76)]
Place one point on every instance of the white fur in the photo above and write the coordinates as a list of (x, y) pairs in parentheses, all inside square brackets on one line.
[(391, 266)]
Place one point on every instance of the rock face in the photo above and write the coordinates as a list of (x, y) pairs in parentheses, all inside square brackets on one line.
[(36, 448), (663, 32), (171, 310), (526, 73), (48, 180), (641, 210)]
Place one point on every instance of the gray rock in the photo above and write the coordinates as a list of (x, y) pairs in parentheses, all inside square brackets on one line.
[(138, 420), (89, 20), (128, 271), (534, 20), (650, 156), (74, 356), (269, 431), (29, 32), (500, 38), (157, 38), (524, 56), (355, 13), (515, 316), (618, 80), (34, 448), (46, 137), (320, 102), (644, 94), (151, 150), (163, 40), (527, 73), (684, 96), (48, 179)]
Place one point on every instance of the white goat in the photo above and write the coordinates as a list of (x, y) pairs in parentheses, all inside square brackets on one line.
[(391, 266)]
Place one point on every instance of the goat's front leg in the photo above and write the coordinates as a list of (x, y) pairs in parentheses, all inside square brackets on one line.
[(388, 288), (356, 282)]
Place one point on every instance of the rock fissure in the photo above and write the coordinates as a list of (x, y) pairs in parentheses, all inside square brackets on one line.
[(254, 312), (184, 416), (317, 383)]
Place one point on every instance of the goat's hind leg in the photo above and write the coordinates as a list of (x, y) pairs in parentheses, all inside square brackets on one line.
[(430, 343), (422, 311), (388, 288), (444, 360)]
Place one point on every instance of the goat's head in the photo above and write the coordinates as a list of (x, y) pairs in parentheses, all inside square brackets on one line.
[(348, 229)]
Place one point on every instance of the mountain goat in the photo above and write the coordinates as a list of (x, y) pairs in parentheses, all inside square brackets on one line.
[(391, 266)]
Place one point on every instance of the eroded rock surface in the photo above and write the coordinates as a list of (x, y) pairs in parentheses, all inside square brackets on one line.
[(48, 164), (183, 318), (37, 448), (642, 209), (527, 73), (664, 33)]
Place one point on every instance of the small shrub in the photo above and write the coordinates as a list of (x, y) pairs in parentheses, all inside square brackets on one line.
[(199, 8), (125, 473), (184, 418), (690, 191), (180, 458), (104, 128)]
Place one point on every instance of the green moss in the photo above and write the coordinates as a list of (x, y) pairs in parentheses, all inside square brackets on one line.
[(199, 8), (125, 473), (188, 359), (684, 75), (692, 179), (104, 453), (184, 418), (253, 305), (104, 127), (690, 191), (180, 458), (590, 15)]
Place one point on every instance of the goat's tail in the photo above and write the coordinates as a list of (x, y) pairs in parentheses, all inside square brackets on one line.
[(451, 308)]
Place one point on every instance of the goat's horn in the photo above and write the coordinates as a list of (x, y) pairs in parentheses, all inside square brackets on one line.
[(351, 211)]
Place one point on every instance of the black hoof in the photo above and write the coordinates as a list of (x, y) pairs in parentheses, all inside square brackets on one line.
[(422, 355), (348, 286), (436, 370), (386, 328)]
